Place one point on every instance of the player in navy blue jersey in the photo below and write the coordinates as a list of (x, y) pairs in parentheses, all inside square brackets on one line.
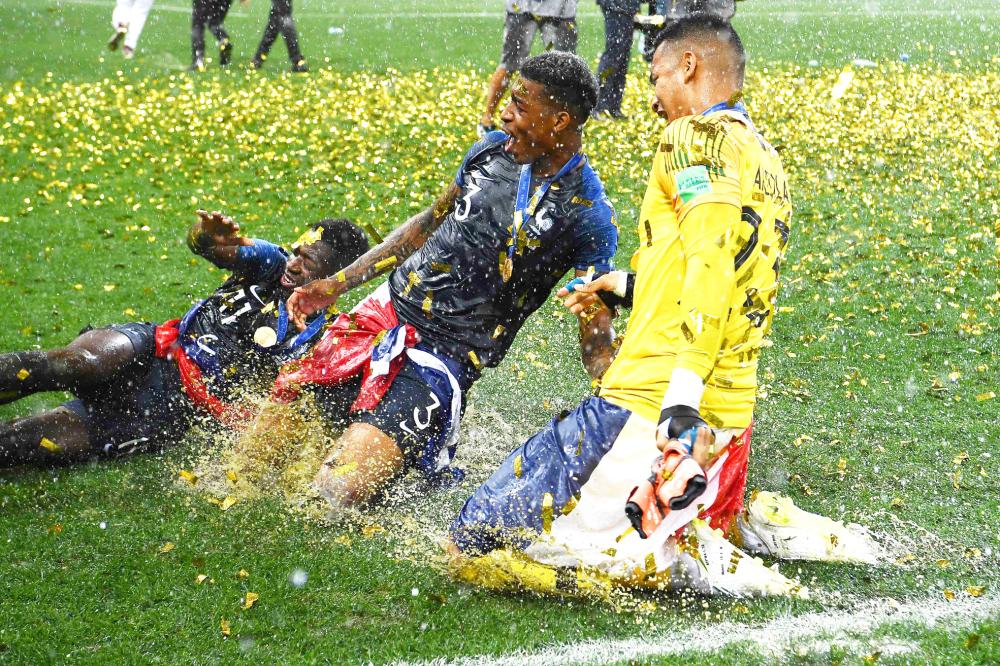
[(525, 209), (138, 385)]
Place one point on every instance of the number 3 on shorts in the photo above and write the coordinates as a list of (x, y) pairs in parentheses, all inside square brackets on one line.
[(422, 424)]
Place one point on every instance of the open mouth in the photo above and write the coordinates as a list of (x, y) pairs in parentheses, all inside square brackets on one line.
[(287, 280)]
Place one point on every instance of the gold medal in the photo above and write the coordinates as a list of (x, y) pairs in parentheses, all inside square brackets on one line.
[(507, 269), (265, 336)]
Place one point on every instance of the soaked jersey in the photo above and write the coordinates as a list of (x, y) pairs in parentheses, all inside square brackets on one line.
[(717, 330), (218, 333), (452, 289)]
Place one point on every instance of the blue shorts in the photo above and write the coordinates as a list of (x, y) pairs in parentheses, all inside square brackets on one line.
[(143, 408), (411, 412), (538, 479)]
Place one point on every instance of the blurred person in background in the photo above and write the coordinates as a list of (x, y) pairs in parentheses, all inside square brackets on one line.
[(280, 21), (128, 20), (555, 19), (210, 14)]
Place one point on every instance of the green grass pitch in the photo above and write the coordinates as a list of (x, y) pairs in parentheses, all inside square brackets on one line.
[(879, 395)]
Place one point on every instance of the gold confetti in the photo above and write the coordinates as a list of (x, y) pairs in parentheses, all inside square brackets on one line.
[(201, 578), (975, 590), (981, 397), (228, 503), (231, 475), (371, 530), (385, 264), (167, 547), (49, 445), (224, 627), (517, 466), (190, 477), (249, 600), (547, 512), (242, 574), (948, 594), (23, 374)]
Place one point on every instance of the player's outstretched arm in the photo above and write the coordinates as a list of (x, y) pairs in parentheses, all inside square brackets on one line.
[(396, 248), (216, 237)]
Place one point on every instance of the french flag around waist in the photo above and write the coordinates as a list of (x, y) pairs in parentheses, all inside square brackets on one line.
[(369, 341), (167, 336)]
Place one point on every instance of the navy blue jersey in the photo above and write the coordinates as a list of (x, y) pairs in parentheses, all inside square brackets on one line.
[(452, 290), (218, 333)]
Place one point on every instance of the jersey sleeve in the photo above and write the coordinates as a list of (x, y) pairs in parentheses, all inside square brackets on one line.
[(490, 140), (597, 238), (700, 164), (261, 261)]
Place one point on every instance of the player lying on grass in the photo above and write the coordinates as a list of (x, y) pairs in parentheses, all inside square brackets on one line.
[(138, 385), (712, 230), (525, 208)]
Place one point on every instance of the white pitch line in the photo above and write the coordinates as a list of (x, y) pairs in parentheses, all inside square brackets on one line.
[(186, 9), (776, 636)]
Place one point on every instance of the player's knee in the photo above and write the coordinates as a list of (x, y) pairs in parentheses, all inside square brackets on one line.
[(76, 364)]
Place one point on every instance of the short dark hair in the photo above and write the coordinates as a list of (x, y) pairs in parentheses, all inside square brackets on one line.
[(567, 78), (345, 239), (702, 26)]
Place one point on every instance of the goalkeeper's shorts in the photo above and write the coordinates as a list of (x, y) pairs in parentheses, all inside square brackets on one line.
[(560, 496)]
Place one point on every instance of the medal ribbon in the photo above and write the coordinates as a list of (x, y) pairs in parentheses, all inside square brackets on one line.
[(524, 209), (311, 330)]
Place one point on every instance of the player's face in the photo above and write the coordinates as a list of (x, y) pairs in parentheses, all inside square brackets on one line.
[(308, 263), (665, 73), (530, 120)]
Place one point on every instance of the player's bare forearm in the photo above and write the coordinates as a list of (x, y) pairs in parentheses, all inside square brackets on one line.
[(596, 340), (400, 244)]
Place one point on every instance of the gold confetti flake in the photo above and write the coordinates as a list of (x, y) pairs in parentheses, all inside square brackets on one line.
[(249, 600), (975, 590), (228, 503), (948, 594), (517, 466), (242, 574), (202, 578), (385, 264), (23, 374), (167, 547), (547, 512), (372, 530), (225, 628), (49, 445), (190, 477)]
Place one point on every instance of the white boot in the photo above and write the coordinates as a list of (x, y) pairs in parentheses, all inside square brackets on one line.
[(712, 565), (773, 525)]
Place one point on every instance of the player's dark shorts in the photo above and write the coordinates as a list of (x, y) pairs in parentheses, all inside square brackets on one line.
[(519, 30), (142, 408), (410, 412)]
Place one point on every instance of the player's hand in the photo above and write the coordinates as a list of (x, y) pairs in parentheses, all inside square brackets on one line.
[(313, 297), (580, 295), (687, 427), (221, 229)]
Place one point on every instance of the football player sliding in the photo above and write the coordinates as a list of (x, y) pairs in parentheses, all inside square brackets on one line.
[(524, 209), (138, 385), (680, 393)]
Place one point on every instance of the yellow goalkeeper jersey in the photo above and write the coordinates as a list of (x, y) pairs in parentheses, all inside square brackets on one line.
[(713, 228)]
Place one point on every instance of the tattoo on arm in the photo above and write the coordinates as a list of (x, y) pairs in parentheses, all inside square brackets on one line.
[(597, 348), (401, 243)]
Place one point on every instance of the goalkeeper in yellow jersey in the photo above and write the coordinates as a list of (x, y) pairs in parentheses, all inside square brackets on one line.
[(713, 229)]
